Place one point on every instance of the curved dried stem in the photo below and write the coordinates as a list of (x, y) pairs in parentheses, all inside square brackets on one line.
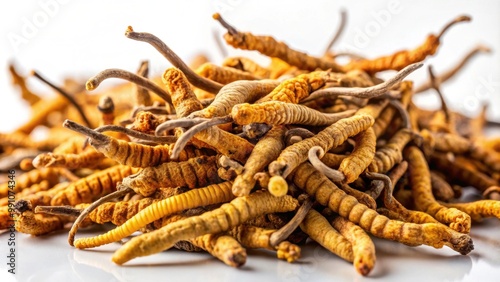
[(366, 92), (445, 76), (65, 94), (333, 174), (436, 85), (95, 136), (195, 79), (387, 184), (74, 228), (181, 122), (59, 210), (94, 82), (280, 235), (137, 134), (299, 131), (403, 112), (182, 141), (459, 19), (231, 29), (339, 32)]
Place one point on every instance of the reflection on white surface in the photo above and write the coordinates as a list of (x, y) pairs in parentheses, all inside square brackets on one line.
[(50, 258)]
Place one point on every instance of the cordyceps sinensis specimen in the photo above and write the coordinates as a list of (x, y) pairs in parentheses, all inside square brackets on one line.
[(319, 229), (36, 224), (328, 194), (129, 153), (92, 187), (420, 180), (365, 92), (222, 219), (403, 58), (268, 46), (361, 157), (236, 93), (193, 173), (276, 113), (212, 194), (329, 138)]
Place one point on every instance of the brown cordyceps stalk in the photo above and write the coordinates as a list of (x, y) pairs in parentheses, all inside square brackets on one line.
[(94, 82), (386, 116), (218, 220), (365, 92), (186, 103), (194, 79), (270, 47), (142, 97), (401, 59)]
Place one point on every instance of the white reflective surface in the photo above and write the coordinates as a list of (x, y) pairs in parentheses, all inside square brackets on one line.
[(50, 258)]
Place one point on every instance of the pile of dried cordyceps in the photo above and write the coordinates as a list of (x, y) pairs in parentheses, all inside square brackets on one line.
[(239, 156)]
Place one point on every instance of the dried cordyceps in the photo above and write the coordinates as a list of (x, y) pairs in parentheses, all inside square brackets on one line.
[(353, 149)]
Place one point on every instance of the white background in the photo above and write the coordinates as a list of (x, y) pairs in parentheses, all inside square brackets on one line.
[(79, 39)]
